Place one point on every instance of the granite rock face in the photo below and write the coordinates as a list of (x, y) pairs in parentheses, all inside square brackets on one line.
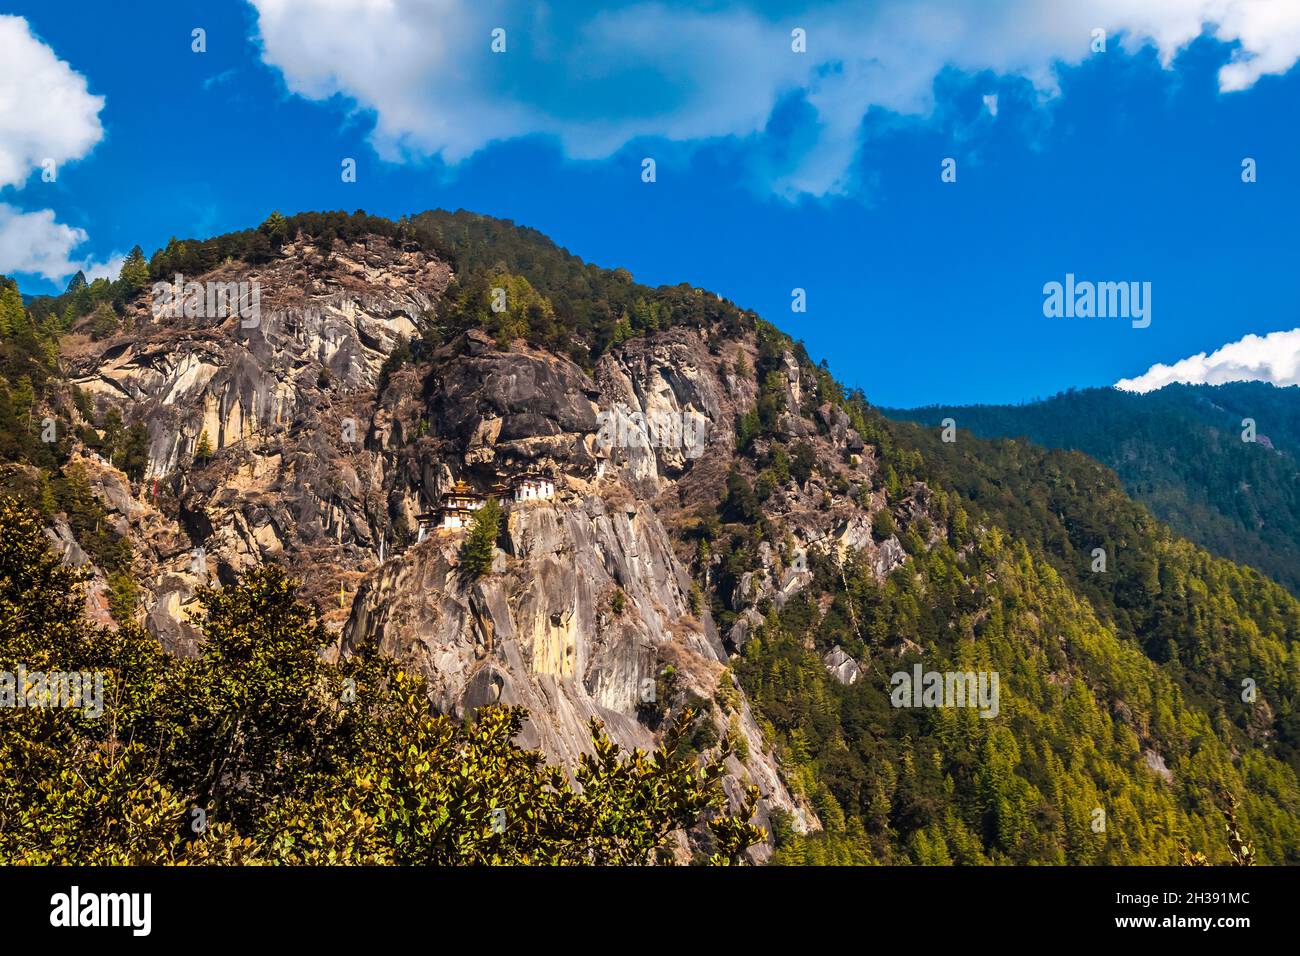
[(841, 666), (325, 454), (284, 400)]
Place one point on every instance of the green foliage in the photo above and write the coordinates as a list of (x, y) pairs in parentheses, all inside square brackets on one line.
[(508, 308), (275, 226), (574, 308), (553, 298), (122, 596), (28, 374), (1098, 671), (802, 463), (13, 316), (478, 550), (194, 257), (772, 399), (258, 751), (655, 711), (70, 493), (126, 447), (135, 271), (1080, 706), (1179, 452), (295, 760), (1210, 621), (741, 504), (748, 428), (132, 452), (104, 323), (55, 314), (695, 600), (1243, 851), (203, 450)]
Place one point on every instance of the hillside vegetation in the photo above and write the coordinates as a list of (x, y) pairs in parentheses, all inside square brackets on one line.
[(1137, 702), (1179, 451)]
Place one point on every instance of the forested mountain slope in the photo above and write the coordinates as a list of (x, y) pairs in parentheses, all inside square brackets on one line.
[(1179, 451), (745, 540)]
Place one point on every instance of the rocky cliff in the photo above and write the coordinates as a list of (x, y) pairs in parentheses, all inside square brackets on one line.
[(324, 452)]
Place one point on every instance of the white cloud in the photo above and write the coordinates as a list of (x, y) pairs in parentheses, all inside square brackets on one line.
[(46, 113), (109, 270), (34, 243), (46, 109), (1268, 358), (598, 76)]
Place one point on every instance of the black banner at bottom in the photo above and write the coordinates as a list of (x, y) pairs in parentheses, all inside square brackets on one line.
[(340, 905)]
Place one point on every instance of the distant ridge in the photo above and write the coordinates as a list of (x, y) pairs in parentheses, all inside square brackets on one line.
[(1178, 450)]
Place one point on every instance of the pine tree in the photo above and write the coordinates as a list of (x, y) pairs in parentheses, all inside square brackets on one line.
[(275, 224), (203, 451), (12, 314), (105, 323), (479, 549), (747, 429), (135, 270)]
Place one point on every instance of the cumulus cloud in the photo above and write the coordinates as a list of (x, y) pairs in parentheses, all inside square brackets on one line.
[(1256, 358), (34, 243), (596, 77), (46, 109), (47, 113)]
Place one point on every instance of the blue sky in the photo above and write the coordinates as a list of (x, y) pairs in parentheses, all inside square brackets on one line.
[(775, 169)]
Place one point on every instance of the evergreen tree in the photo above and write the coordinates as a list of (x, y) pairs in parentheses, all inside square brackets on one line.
[(747, 429), (801, 463), (105, 323), (13, 316), (134, 457), (275, 225), (135, 271), (479, 548)]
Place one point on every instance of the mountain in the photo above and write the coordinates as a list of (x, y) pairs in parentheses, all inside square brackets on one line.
[(729, 532), (1180, 451)]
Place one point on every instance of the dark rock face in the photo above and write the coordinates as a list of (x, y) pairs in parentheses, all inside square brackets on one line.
[(509, 397)]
